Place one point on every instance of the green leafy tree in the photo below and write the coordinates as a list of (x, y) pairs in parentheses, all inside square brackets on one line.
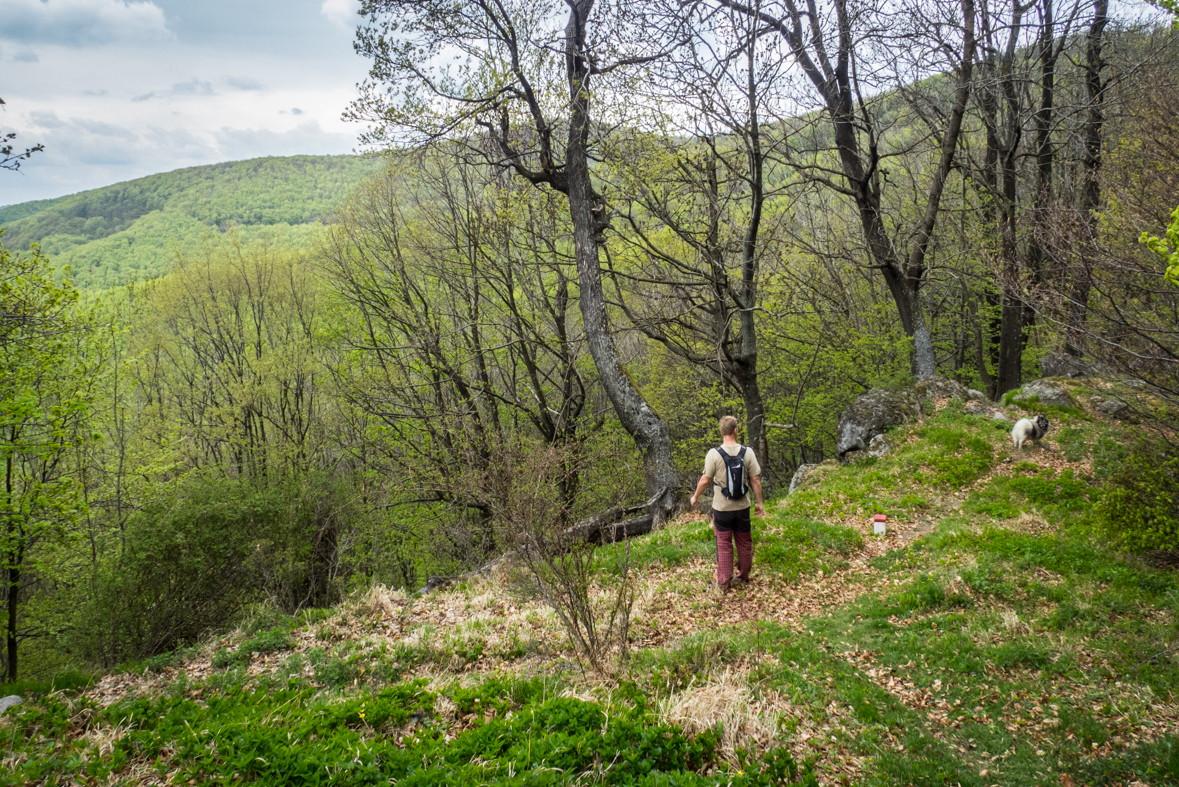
[(1168, 5), (1167, 248), (47, 361)]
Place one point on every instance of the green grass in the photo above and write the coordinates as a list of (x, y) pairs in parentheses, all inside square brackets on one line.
[(69, 681), (976, 655), (512, 733), (786, 546), (1030, 488)]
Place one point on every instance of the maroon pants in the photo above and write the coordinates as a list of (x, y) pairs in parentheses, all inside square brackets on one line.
[(724, 555)]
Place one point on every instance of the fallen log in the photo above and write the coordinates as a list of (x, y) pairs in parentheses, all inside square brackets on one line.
[(607, 527)]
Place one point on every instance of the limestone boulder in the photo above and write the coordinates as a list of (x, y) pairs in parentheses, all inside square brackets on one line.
[(808, 475), (941, 388), (10, 701), (873, 413), (1045, 392), (878, 446), (1111, 407)]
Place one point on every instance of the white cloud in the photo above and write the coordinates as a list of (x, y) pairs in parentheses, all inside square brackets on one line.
[(342, 12), (26, 56), (226, 86), (193, 87), (46, 119), (83, 23), (307, 137), (243, 83)]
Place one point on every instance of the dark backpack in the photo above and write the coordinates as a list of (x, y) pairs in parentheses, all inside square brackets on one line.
[(735, 488)]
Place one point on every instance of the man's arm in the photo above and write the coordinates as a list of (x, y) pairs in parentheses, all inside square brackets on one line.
[(701, 485), (755, 482)]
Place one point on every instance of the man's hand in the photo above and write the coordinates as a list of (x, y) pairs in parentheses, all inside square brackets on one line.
[(759, 510), (700, 487)]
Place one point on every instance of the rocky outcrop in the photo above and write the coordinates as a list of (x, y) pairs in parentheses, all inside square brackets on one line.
[(1062, 365), (1045, 392), (878, 446), (985, 410), (807, 475), (871, 414), (941, 388), (1111, 408)]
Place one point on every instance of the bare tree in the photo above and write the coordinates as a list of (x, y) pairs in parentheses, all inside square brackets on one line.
[(693, 244), (465, 352), (512, 65), (831, 45)]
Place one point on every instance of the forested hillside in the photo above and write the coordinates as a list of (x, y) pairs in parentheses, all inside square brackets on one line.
[(133, 231)]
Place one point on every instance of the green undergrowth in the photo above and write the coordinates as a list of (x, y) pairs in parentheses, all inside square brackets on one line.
[(501, 732), (785, 546), (1062, 496), (1010, 644), (69, 681)]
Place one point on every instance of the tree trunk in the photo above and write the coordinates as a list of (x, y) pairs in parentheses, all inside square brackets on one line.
[(746, 363), (12, 577), (13, 599), (1091, 192), (588, 212), (1009, 374), (1042, 121)]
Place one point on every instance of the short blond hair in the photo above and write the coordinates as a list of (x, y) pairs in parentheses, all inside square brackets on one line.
[(728, 425)]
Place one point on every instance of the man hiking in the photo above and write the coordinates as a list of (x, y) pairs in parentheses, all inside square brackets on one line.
[(736, 471)]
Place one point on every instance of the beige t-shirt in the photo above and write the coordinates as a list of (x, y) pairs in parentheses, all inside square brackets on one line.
[(714, 468)]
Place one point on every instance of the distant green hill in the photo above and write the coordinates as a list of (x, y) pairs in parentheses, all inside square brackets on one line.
[(132, 231)]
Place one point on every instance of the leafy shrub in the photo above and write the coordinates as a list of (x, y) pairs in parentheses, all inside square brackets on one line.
[(1139, 505), (201, 553)]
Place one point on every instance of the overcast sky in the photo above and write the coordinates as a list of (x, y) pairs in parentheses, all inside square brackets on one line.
[(119, 89)]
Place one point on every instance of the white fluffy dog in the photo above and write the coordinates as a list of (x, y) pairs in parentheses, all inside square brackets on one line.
[(1029, 429)]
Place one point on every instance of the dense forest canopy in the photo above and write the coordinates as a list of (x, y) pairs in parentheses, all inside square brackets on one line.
[(595, 228), (132, 231)]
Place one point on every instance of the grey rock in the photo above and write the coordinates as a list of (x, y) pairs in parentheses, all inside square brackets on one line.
[(1111, 408), (1047, 391), (998, 416), (9, 701), (878, 446), (975, 396), (977, 408), (806, 472), (1062, 365), (941, 388), (799, 474), (871, 414)]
